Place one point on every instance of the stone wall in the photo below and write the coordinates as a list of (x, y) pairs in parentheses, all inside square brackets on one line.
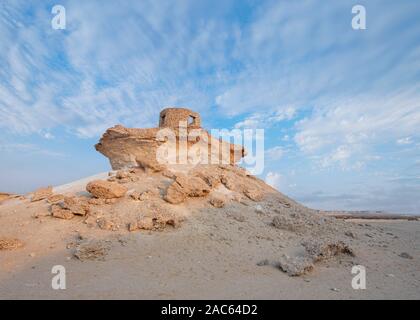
[(171, 117)]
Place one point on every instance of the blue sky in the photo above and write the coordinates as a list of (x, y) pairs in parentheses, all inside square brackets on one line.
[(340, 107)]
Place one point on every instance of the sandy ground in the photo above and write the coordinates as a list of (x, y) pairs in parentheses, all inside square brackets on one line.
[(215, 254)]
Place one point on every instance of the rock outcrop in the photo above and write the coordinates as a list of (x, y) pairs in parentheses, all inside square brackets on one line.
[(179, 140), (105, 189)]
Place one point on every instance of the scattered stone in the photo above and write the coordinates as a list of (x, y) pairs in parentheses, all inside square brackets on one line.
[(405, 255), (295, 266), (106, 224), (42, 193), (259, 209), (135, 195), (253, 194), (147, 195), (323, 250), (91, 250), (146, 223), (105, 189), (264, 262), (237, 216), (76, 205), (284, 203), (61, 213), (217, 202), (350, 234), (228, 182), (175, 194), (55, 198), (41, 214), (10, 244), (316, 251), (193, 186), (288, 222)]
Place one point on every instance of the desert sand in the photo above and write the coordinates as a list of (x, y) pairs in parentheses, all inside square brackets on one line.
[(216, 253), (148, 230)]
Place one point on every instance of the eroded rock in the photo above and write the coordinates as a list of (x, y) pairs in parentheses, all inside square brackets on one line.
[(58, 212), (105, 189), (42, 193), (55, 198), (217, 201), (92, 250), (76, 205), (127, 148), (10, 244)]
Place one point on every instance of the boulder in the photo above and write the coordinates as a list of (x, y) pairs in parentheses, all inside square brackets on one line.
[(253, 194), (55, 198), (105, 189), (10, 244), (76, 205), (217, 202), (175, 194), (42, 193), (58, 212)]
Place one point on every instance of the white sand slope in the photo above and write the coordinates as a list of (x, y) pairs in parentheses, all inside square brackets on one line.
[(232, 252)]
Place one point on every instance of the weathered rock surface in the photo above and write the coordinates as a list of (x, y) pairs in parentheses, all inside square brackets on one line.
[(315, 252), (42, 193), (106, 189), (58, 212), (175, 141), (55, 198), (77, 206), (10, 244)]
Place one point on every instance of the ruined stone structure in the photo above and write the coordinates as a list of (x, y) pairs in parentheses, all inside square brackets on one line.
[(133, 147), (174, 117)]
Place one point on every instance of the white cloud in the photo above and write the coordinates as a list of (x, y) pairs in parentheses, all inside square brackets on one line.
[(275, 153), (340, 155), (405, 141), (268, 119), (351, 128), (28, 149)]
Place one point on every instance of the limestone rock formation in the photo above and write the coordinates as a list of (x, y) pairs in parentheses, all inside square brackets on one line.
[(42, 193), (179, 139), (105, 189)]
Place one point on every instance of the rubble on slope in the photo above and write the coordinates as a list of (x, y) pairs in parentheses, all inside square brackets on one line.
[(10, 244), (105, 189), (315, 252), (42, 193)]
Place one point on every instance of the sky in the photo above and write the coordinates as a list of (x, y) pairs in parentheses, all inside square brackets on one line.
[(340, 107)]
